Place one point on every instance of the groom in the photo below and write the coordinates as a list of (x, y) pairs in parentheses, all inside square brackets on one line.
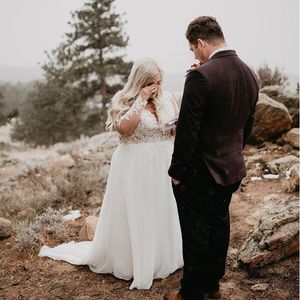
[(215, 120)]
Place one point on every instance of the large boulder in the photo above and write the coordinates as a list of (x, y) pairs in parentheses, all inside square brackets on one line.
[(6, 228), (292, 179), (272, 119), (290, 100), (275, 236), (292, 137), (88, 230), (278, 93)]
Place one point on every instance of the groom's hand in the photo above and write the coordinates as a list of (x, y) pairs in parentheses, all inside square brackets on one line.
[(175, 181)]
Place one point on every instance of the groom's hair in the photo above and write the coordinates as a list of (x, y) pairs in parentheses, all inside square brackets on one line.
[(205, 28)]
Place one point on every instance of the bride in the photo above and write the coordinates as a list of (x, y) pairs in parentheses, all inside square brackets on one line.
[(138, 233)]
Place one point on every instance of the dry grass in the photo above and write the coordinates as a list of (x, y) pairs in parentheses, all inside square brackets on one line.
[(30, 234), (60, 177)]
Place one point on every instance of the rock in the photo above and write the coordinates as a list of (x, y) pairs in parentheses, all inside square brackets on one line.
[(292, 137), (273, 91), (253, 218), (275, 235), (288, 148), (271, 197), (282, 164), (272, 119), (88, 230), (260, 287), (292, 180), (6, 229), (291, 101)]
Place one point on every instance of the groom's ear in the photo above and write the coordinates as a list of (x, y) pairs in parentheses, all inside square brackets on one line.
[(200, 43)]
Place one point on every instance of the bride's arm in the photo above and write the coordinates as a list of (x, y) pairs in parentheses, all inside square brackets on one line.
[(131, 118), (175, 106)]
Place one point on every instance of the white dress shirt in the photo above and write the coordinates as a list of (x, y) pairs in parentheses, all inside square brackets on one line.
[(219, 50)]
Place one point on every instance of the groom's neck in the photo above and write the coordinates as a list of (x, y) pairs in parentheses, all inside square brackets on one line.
[(214, 47), (217, 46)]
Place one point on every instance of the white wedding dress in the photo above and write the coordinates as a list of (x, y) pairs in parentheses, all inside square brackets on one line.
[(138, 233)]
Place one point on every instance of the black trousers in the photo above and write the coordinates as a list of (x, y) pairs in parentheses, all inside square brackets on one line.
[(203, 208)]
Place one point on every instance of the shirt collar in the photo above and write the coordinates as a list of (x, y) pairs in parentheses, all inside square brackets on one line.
[(219, 50)]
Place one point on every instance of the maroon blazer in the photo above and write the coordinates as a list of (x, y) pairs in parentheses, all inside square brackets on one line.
[(215, 120)]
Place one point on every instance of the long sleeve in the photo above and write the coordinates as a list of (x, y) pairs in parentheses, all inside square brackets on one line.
[(248, 127), (250, 120), (131, 118), (249, 124), (193, 106)]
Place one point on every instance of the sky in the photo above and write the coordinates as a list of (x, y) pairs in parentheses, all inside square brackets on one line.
[(261, 31)]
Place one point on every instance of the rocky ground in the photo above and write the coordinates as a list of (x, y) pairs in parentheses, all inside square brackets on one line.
[(73, 176)]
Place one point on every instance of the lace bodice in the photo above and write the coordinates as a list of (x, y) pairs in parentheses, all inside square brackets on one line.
[(149, 129)]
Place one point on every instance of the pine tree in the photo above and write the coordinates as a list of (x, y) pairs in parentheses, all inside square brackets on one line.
[(90, 58), (86, 68), (52, 114)]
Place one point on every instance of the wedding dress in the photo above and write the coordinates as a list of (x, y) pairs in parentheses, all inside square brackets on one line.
[(138, 232)]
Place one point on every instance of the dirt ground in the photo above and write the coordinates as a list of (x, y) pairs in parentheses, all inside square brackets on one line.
[(26, 276)]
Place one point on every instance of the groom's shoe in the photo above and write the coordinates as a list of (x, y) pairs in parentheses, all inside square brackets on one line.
[(175, 295)]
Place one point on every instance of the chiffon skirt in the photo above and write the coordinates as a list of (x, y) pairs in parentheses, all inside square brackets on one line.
[(138, 233)]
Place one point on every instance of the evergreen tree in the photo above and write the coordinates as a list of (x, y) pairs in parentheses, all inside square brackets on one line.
[(90, 58), (52, 114), (81, 74)]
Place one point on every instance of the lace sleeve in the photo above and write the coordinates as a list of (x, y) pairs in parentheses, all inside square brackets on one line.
[(127, 123), (175, 106)]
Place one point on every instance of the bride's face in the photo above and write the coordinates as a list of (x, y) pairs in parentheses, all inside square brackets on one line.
[(156, 81)]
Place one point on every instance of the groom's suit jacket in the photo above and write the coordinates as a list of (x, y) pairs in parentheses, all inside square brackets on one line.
[(215, 120)]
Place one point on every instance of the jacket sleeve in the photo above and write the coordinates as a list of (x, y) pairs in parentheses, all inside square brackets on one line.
[(194, 101), (248, 126), (250, 120)]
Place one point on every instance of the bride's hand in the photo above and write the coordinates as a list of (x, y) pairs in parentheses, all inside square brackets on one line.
[(147, 91)]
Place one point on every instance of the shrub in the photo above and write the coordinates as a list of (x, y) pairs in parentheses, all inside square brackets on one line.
[(30, 234), (268, 77)]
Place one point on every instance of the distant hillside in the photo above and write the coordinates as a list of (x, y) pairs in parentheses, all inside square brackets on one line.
[(19, 74), (173, 82)]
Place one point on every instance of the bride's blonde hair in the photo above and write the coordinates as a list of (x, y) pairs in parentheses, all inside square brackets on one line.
[(140, 75)]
